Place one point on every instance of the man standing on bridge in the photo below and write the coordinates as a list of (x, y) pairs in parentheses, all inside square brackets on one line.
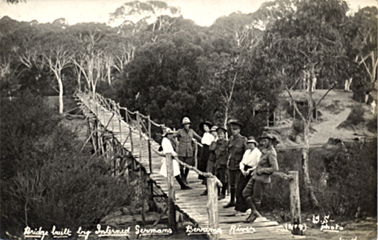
[(256, 186), (186, 137), (237, 144)]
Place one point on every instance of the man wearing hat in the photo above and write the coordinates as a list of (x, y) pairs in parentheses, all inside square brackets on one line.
[(168, 146), (185, 152), (221, 156), (255, 188), (247, 165), (237, 144)]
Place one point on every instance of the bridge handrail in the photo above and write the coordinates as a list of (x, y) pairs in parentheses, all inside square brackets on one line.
[(115, 108)]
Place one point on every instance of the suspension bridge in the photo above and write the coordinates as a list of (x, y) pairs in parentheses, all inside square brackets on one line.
[(118, 127)]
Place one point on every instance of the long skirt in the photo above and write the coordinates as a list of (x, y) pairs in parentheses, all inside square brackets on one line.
[(241, 205), (202, 163), (163, 168)]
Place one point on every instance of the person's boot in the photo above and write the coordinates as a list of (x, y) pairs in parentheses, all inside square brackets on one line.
[(232, 199), (204, 193), (222, 193), (182, 174), (254, 214), (182, 184), (221, 196), (186, 173)]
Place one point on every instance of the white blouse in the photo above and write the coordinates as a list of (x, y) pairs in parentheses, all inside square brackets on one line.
[(167, 146), (207, 138), (250, 158)]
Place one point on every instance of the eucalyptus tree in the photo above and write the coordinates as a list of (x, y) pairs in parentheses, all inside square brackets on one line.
[(29, 65), (362, 30), (236, 42), (58, 56), (9, 62), (149, 11), (89, 52), (239, 29), (308, 40)]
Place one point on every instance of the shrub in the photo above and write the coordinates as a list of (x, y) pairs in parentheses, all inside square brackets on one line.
[(46, 180), (344, 178), (356, 116), (352, 174), (298, 126)]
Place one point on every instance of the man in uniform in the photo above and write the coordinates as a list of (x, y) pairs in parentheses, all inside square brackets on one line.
[(237, 144), (186, 137), (256, 186)]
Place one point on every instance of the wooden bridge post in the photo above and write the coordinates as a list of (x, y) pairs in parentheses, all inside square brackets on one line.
[(130, 134), (140, 167), (119, 121), (149, 143), (295, 203), (212, 206), (171, 193), (149, 154), (92, 133)]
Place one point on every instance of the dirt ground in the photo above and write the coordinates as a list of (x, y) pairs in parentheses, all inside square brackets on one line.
[(360, 230), (347, 229), (334, 109)]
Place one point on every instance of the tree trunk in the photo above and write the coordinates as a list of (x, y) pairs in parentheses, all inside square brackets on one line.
[(306, 149), (58, 76), (60, 82), (226, 116), (306, 175), (79, 80), (109, 78)]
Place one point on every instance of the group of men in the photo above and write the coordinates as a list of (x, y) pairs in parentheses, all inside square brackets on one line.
[(237, 162)]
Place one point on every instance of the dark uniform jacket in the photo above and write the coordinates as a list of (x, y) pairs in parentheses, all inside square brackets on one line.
[(220, 152), (212, 147), (236, 148), (266, 166)]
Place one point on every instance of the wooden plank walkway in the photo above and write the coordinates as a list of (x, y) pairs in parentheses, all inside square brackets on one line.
[(188, 202)]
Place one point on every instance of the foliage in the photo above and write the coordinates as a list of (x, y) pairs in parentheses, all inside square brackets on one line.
[(136, 11), (351, 179), (356, 116), (298, 126), (362, 34), (309, 40), (344, 179), (46, 180)]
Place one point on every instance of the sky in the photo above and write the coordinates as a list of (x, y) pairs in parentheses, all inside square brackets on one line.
[(203, 12)]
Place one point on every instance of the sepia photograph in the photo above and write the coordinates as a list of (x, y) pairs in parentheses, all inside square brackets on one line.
[(188, 119)]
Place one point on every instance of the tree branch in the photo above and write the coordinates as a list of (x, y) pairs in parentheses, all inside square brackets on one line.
[(295, 104), (333, 86)]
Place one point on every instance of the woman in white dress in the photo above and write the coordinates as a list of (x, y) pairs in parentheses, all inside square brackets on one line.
[(169, 147)]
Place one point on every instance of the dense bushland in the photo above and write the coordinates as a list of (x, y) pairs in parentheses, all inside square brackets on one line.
[(45, 179), (343, 175)]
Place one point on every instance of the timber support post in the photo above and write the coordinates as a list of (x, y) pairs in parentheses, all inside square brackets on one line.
[(92, 126), (212, 206), (140, 168), (171, 193), (149, 143), (295, 203)]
